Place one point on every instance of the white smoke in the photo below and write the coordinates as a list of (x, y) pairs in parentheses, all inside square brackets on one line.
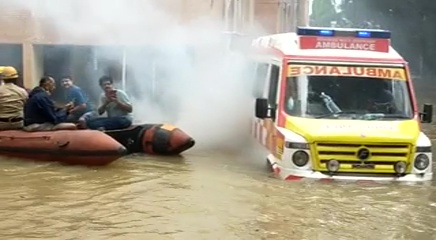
[(207, 96)]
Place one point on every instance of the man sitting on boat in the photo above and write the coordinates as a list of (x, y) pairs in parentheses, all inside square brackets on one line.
[(115, 103), (40, 112), (76, 99), (12, 99)]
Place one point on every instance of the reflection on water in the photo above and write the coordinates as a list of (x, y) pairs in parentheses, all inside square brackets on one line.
[(202, 196)]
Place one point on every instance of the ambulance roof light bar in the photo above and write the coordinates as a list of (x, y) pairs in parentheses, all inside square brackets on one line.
[(343, 32)]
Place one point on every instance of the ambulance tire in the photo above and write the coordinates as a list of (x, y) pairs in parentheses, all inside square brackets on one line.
[(268, 166)]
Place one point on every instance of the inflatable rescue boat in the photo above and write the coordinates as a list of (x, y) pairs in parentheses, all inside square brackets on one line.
[(162, 139), (75, 147)]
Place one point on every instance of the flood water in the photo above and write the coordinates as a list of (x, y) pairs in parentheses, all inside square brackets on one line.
[(204, 195)]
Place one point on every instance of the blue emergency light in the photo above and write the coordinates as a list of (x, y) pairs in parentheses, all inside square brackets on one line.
[(343, 32)]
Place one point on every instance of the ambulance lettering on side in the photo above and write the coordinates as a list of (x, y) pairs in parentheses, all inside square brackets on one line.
[(338, 104)]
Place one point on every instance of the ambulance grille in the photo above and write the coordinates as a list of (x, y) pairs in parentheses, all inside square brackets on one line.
[(381, 159)]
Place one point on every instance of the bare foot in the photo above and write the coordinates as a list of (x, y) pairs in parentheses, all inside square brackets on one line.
[(81, 124)]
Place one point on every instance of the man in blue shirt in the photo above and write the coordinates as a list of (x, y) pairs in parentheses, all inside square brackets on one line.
[(115, 103), (76, 98)]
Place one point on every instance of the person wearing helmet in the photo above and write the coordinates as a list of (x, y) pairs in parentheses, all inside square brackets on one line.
[(1, 70), (12, 100)]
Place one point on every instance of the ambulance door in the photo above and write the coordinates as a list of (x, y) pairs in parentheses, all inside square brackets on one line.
[(273, 88), (267, 76), (273, 99), (266, 82), (260, 85), (259, 90)]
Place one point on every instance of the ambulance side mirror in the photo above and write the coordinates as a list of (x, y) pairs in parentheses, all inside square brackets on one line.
[(427, 114), (263, 110)]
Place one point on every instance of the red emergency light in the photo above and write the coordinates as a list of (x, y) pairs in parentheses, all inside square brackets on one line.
[(344, 39)]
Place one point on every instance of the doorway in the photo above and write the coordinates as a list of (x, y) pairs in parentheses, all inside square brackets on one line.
[(74, 61), (57, 63)]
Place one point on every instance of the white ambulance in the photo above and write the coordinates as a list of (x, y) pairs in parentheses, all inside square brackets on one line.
[(338, 104)]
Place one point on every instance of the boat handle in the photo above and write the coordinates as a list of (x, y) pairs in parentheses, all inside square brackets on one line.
[(62, 145), (26, 138)]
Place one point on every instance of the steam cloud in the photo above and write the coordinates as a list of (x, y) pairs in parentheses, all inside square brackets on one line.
[(207, 96)]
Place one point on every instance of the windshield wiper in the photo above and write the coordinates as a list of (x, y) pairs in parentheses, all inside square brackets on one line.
[(342, 113)]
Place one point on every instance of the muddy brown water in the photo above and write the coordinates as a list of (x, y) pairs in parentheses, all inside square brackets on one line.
[(204, 195)]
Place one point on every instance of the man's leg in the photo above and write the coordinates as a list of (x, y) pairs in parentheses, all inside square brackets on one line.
[(11, 126), (71, 118), (112, 123), (64, 126), (83, 120), (96, 123), (118, 123), (39, 127)]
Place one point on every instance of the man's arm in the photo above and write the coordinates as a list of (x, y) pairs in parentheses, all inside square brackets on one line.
[(48, 110), (25, 95), (103, 105), (123, 102), (78, 101)]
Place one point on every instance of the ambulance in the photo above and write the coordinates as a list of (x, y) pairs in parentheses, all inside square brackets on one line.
[(338, 104)]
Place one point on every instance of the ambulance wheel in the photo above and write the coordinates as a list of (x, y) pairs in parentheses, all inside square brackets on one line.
[(268, 166)]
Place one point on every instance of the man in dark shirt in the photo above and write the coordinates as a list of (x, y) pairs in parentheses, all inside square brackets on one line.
[(76, 100), (40, 112)]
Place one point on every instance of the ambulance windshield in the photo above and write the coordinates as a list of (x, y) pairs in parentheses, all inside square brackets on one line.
[(354, 97)]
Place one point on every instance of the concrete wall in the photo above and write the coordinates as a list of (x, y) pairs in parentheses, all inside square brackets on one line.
[(19, 26), (33, 65), (274, 18), (22, 26), (266, 14), (192, 10)]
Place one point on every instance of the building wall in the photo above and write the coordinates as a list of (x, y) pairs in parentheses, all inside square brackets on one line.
[(16, 25), (277, 16), (20, 26), (28, 28), (266, 14), (192, 10)]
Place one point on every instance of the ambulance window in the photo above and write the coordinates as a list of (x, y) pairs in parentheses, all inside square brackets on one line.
[(292, 98), (259, 79), (273, 87)]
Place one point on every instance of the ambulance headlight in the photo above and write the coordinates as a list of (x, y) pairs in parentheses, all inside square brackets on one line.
[(421, 161), (333, 165), (400, 167), (300, 158)]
